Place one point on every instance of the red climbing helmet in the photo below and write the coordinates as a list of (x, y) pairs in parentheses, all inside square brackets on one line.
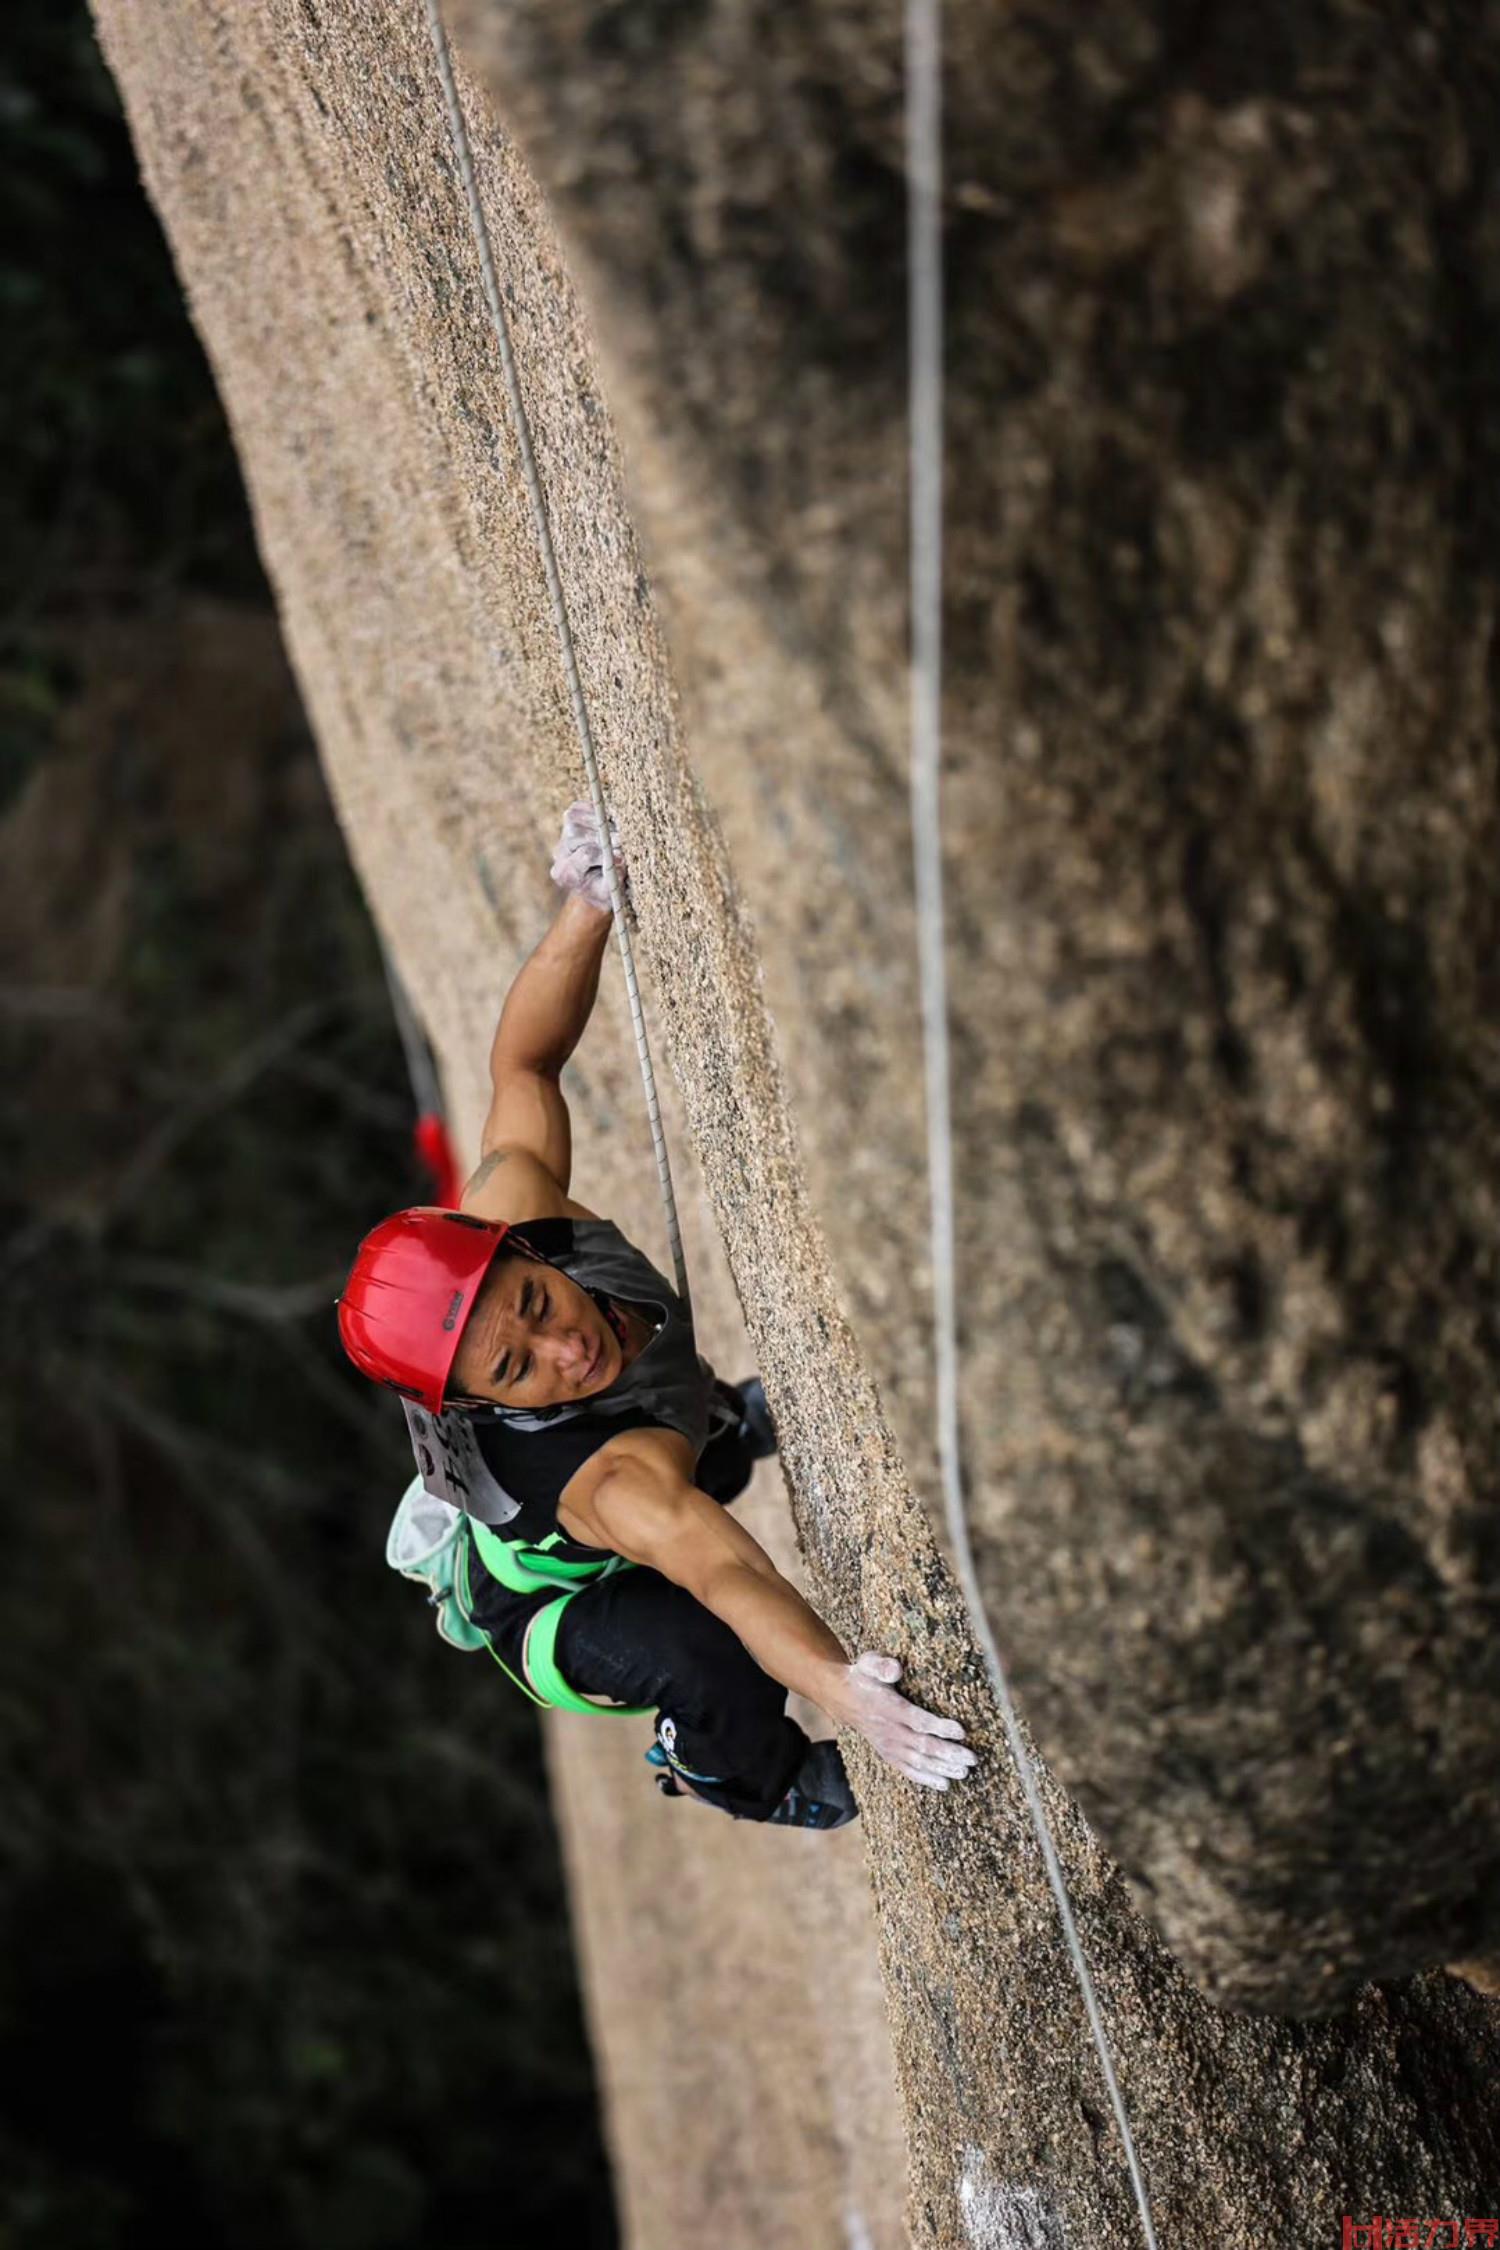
[(411, 1291)]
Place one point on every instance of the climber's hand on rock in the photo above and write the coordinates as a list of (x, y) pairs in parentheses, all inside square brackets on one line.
[(579, 865), (927, 1749)]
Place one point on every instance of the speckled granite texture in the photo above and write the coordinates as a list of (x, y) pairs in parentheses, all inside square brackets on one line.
[(1222, 831)]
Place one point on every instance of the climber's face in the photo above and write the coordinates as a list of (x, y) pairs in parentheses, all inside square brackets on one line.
[(534, 1339)]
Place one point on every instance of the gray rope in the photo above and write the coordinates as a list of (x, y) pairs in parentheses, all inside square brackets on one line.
[(925, 315), (458, 134)]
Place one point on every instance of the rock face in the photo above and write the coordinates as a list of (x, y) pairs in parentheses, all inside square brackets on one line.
[(1221, 826), (1224, 457)]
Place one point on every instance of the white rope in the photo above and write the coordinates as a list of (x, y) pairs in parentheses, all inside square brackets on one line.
[(459, 136), (925, 317)]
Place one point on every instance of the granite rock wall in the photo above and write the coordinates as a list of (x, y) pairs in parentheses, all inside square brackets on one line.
[(1219, 822)]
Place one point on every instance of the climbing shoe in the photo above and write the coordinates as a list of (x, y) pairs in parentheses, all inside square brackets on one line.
[(667, 1782), (757, 1431), (820, 1797)]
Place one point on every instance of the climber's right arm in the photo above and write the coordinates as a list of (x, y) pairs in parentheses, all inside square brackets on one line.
[(545, 1015), (543, 1019), (527, 1144)]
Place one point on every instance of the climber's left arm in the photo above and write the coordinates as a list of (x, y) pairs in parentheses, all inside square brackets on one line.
[(635, 1497)]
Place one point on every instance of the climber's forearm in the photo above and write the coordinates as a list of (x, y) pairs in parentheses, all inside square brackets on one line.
[(552, 998), (787, 1638)]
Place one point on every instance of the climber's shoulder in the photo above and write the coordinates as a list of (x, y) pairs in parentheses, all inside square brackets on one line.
[(512, 1185)]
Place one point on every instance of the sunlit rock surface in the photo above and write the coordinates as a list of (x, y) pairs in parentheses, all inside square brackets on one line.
[(1221, 830)]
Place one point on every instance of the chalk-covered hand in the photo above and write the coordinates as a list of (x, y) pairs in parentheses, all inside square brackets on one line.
[(579, 865), (926, 1748)]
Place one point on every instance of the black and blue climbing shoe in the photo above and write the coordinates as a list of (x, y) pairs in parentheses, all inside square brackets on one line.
[(820, 1797), (757, 1432), (667, 1782)]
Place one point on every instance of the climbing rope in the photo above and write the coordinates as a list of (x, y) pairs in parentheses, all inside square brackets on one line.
[(924, 163), (431, 1141), (458, 134)]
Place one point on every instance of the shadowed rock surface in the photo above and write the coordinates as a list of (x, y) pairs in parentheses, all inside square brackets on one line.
[(1243, 1618), (1224, 498)]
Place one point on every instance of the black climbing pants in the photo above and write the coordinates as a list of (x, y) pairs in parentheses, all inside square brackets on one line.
[(639, 1639), (720, 1719)]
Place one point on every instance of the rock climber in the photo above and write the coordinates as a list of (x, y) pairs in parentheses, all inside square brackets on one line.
[(573, 1361)]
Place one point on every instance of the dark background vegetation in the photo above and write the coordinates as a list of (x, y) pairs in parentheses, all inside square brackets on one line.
[(284, 1956)]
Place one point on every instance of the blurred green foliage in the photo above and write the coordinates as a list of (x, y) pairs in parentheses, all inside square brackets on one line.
[(284, 1953)]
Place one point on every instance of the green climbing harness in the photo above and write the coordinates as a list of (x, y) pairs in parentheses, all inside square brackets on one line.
[(432, 1542)]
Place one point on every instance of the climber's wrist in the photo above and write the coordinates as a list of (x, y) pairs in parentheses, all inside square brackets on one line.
[(589, 910), (834, 1693)]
